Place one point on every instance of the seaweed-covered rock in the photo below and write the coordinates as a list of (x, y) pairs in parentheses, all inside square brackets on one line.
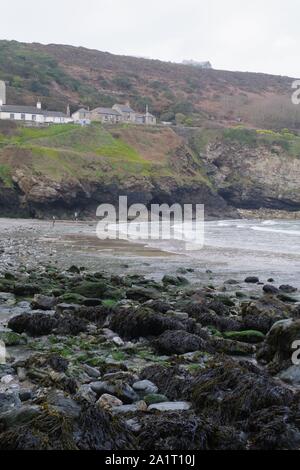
[(274, 428), (43, 302), (231, 347), (132, 324), (179, 342), (248, 336), (39, 324), (261, 315), (52, 428), (231, 392), (174, 431), (171, 381), (277, 350), (36, 324), (142, 294)]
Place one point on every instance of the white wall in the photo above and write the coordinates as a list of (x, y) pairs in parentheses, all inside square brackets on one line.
[(39, 118)]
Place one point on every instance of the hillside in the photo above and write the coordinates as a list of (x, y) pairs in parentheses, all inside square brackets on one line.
[(62, 169), (66, 168), (64, 74)]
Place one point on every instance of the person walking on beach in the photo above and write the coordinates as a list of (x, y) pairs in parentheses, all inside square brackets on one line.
[(53, 221)]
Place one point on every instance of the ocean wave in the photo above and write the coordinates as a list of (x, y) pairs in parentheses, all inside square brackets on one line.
[(273, 230)]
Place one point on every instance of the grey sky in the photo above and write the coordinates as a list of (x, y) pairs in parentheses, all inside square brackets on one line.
[(258, 36)]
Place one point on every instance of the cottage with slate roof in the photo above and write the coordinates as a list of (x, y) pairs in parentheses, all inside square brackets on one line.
[(30, 114)]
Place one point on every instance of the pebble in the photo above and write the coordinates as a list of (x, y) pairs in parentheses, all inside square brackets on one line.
[(7, 379), (145, 386), (138, 406), (107, 401), (171, 406)]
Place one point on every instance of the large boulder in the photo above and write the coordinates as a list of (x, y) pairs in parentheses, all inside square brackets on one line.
[(179, 342), (278, 349), (144, 322), (261, 315)]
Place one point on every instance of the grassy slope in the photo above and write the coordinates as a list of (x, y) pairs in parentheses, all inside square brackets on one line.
[(92, 153)]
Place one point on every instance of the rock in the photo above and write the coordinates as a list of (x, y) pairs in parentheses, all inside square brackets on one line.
[(7, 379), (142, 294), (91, 371), (124, 409), (145, 386), (174, 280), (107, 402), (230, 347), (91, 289), (269, 289), (261, 314), (117, 388), (291, 375), (288, 289), (171, 406), (53, 427), (249, 336), (26, 290), (277, 350), (231, 282), (179, 342), (154, 398), (133, 425), (36, 324), (8, 401), (230, 392), (144, 322), (252, 280), (118, 341), (74, 269), (86, 393), (42, 323), (43, 302), (21, 371), (287, 298), (25, 395)]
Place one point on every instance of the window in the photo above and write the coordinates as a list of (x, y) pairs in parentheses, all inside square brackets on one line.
[(34, 117), (23, 117), (12, 116)]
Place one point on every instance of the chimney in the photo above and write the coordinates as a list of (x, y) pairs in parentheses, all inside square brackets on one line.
[(2, 92), (39, 105)]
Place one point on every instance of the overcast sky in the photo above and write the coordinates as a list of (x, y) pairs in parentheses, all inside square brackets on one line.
[(256, 35)]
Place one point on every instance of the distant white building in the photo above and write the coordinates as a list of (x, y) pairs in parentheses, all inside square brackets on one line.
[(200, 65), (32, 114)]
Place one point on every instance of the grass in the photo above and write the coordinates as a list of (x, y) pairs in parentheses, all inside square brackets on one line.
[(5, 175)]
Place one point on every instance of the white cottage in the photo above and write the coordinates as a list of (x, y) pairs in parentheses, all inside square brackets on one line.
[(33, 114)]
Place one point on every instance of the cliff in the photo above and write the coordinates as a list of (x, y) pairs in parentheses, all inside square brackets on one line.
[(63, 169)]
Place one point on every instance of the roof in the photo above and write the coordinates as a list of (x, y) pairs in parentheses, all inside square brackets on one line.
[(106, 111), (8, 108), (82, 110), (125, 108)]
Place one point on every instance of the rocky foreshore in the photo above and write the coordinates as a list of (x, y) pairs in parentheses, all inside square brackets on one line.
[(102, 361)]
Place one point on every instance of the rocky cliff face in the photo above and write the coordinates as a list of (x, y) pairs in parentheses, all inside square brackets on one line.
[(250, 169), (42, 197), (254, 178), (59, 171)]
